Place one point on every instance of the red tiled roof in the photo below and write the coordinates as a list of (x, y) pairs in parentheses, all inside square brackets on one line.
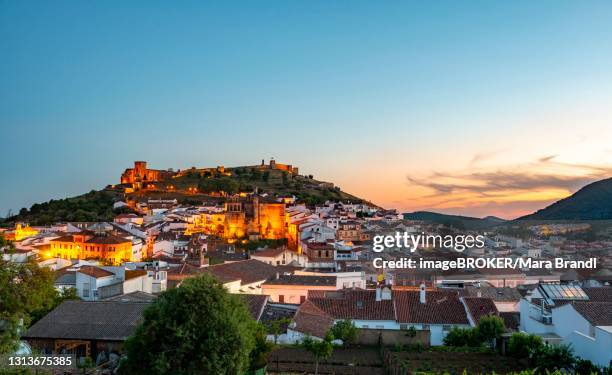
[(94, 271), (247, 271), (268, 252), (311, 320), (110, 240), (597, 313), (479, 307), (440, 307), (603, 294), (131, 274), (352, 304)]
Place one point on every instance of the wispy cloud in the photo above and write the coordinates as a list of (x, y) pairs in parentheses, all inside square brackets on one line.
[(506, 190)]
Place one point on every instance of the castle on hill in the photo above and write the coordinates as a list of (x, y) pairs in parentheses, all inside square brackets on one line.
[(140, 175)]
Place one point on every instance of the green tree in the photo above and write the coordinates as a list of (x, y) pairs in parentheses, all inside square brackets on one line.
[(523, 345), (320, 349), (553, 357), (197, 328), (277, 326), (344, 330), (25, 288), (490, 328)]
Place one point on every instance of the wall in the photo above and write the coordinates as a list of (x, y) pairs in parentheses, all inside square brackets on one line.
[(391, 337)]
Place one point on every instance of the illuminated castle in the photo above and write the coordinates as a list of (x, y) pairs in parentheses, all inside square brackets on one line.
[(140, 174), (273, 165)]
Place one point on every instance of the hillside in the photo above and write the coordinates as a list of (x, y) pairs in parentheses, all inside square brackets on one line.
[(189, 188), (592, 202), (459, 222), (92, 206)]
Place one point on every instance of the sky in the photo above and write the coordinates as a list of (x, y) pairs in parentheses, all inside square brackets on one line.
[(465, 107)]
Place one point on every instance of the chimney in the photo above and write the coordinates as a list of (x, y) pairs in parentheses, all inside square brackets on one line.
[(422, 293), (385, 294)]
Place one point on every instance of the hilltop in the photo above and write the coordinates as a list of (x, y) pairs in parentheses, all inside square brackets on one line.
[(592, 202), (191, 186)]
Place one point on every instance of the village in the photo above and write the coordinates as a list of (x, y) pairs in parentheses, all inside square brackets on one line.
[(308, 267)]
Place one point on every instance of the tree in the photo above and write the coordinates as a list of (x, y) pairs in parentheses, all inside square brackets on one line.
[(490, 328), (24, 289), (276, 327), (553, 357), (322, 349), (197, 328), (523, 345), (259, 355), (344, 330)]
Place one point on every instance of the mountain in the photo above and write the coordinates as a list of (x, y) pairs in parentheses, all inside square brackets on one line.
[(460, 222), (592, 202)]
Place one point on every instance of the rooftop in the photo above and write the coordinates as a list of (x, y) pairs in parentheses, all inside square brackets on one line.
[(80, 320)]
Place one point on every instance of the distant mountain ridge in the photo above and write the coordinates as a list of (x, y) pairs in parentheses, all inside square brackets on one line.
[(592, 202), (457, 221)]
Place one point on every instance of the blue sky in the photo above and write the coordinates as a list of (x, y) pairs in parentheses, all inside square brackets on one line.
[(375, 96)]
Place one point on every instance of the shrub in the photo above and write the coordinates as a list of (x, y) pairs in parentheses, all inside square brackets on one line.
[(522, 345), (462, 337)]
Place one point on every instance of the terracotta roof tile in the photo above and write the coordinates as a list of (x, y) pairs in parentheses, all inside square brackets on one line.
[(479, 307), (96, 272), (440, 307)]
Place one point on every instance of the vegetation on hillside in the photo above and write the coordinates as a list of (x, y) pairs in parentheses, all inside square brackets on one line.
[(93, 206), (592, 202)]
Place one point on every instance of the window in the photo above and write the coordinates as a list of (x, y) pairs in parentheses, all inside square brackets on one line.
[(85, 289), (364, 326), (403, 326), (281, 298), (425, 327), (345, 284), (446, 327)]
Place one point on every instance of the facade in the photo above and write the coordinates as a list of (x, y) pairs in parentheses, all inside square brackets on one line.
[(294, 288), (569, 314), (91, 245)]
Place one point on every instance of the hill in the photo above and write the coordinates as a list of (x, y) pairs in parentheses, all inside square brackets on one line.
[(592, 202), (188, 188), (92, 206), (459, 222), (244, 179)]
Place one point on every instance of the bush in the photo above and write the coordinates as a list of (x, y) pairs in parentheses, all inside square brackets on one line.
[(462, 337), (522, 345), (586, 367), (553, 357)]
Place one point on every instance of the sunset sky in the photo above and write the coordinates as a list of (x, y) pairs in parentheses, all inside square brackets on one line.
[(467, 107)]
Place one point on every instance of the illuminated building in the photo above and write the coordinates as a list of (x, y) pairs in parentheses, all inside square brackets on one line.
[(243, 216), (22, 232), (140, 175), (92, 245)]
